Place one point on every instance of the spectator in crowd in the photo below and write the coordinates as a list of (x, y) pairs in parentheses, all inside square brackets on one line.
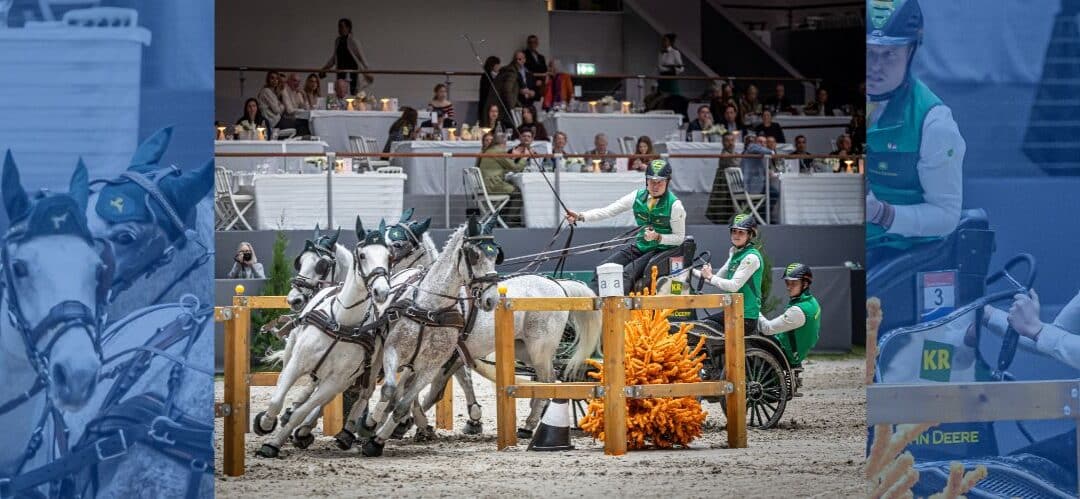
[(644, 146), (754, 171), (491, 70), (312, 93), (704, 121), (772, 145), (528, 122), (719, 193), (493, 171), (524, 146), (844, 147), (598, 153), (270, 98), (749, 105), (485, 143), (670, 63), (245, 264), (491, 119), (403, 129), (341, 92), (293, 101), (292, 91), (348, 56), (558, 146), (536, 65), (820, 105), (779, 102), (250, 120), (857, 130), (806, 165), (770, 128), (526, 80), (508, 88), (730, 121), (559, 88), (440, 104), (721, 100)]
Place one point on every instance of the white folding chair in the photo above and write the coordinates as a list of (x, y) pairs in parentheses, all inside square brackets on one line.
[(737, 189), (627, 144), (231, 207), (372, 145), (477, 193), (390, 169)]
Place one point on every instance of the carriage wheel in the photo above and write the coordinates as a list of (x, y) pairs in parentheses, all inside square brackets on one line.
[(766, 389)]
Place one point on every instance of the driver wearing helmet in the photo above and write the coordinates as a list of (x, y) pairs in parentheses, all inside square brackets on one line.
[(656, 209), (914, 149), (742, 273), (797, 328)]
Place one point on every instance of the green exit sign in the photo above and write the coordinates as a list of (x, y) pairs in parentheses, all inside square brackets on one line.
[(586, 68)]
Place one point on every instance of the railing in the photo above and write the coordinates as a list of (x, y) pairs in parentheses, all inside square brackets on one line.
[(616, 312)]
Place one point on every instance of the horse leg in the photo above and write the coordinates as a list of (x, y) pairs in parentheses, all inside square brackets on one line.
[(286, 379), (298, 399), (424, 431), (327, 388), (473, 426), (302, 437), (541, 354)]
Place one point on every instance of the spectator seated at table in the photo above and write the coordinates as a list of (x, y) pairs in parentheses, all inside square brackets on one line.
[(249, 123), (245, 264), (719, 195), (772, 145), (844, 146), (311, 96), (805, 165), (770, 128), (644, 146), (528, 121), (820, 106), (293, 99), (273, 100), (491, 120), (749, 105), (494, 171), (559, 88), (754, 171), (598, 152), (703, 122), (403, 129), (525, 146), (731, 121), (440, 105), (558, 146), (723, 96), (341, 92), (779, 102), (485, 142)]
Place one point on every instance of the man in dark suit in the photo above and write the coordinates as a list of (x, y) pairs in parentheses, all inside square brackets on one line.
[(508, 87), (535, 66)]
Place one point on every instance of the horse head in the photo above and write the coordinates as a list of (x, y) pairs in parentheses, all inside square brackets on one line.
[(372, 260), (315, 267)]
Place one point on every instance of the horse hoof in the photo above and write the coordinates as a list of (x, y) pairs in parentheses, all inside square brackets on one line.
[(523, 433), (268, 451), (372, 448), (402, 428), (345, 439), (286, 416), (259, 430), (302, 441), (425, 434), (473, 427)]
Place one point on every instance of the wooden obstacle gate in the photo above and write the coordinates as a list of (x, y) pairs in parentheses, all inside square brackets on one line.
[(616, 312)]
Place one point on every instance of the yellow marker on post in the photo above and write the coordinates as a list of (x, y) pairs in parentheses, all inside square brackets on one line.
[(239, 289)]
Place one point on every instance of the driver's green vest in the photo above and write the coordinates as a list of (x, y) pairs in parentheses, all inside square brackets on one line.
[(892, 155), (751, 290), (798, 342), (659, 217)]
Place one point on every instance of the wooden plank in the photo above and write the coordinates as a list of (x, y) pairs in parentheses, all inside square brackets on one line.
[(236, 390), (444, 410), (735, 372), (680, 301), (615, 316), (972, 402), (333, 415), (264, 379), (550, 304), (705, 388), (575, 391), (262, 301), (506, 421)]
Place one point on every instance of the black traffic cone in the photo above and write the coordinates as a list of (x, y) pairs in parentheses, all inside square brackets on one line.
[(553, 433)]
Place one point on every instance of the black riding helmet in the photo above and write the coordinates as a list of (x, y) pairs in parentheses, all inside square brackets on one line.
[(745, 222), (799, 272), (659, 169)]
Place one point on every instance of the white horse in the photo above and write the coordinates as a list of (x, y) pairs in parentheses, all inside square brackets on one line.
[(423, 338), (52, 312), (314, 351)]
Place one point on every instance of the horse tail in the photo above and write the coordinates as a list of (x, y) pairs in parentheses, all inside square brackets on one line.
[(587, 324), (486, 368), (282, 356)]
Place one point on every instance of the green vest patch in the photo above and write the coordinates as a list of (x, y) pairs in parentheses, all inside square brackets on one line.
[(799, 341), (751, 291), (659, 217)]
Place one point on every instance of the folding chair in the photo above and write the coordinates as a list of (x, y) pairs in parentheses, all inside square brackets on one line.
[(627, 144), (478, 195), (372, 145), (231, 207), (736, 188)]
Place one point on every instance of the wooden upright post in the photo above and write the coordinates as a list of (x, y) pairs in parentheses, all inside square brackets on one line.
[(444, 410), (333, 415), (237, 365), (615, 315), (735, 371), (504, 372)]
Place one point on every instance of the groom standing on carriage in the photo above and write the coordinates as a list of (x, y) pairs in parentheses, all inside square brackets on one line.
[(657, 210)]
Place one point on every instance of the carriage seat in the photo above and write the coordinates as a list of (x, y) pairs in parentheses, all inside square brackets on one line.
[(662, 260)]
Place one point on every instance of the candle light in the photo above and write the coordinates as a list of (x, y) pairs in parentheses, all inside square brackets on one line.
[(486, 130), (848, 162), (220, 133), (349, 101), (451, 131), (596, 166), (385, 104), (626, 107), (262, 132), (592, 106)]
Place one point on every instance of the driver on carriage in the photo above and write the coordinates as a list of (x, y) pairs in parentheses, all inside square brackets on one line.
[(915, 149), (797, 328), (657, 210), (742, 273)]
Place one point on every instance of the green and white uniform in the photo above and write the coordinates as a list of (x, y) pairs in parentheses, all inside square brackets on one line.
[(797, 328), (742, 273)]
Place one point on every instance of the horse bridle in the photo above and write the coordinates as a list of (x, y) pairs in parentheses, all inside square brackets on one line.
[(323, 278)]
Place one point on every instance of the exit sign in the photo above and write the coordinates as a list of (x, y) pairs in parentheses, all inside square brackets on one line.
[(586, 68)]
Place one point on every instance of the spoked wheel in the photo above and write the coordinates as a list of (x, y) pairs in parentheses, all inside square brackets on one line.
[(766, 390)]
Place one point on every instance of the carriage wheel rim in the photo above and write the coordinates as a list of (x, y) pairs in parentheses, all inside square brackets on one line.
[(763, 392)]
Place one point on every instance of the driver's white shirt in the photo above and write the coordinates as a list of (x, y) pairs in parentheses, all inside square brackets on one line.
[(1060, 339), (750, 263), (625, 203), (940, 167), (792, 318)]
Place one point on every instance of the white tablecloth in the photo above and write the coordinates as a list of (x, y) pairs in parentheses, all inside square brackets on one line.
[(580, 192), (822, 199), (825, 129), (426, 174), (248, 164), (581, 128), (335, 127), (294, 201), (693, 174)]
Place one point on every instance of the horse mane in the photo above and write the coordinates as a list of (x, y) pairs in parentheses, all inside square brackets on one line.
[(429, 245)]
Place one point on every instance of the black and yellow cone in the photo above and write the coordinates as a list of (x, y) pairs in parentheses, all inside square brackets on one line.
[(553, 433)]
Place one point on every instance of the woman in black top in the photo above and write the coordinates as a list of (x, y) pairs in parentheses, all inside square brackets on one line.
[(251, 119), (528, 120), (347, 55), (403, 129), (491, 67), (770, 128)]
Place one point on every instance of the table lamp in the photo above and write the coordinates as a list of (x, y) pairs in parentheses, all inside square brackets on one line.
[(385, 104), (592, 106), (348, 102), (220, 133), (626, 107), (596, 166), (262, 133)]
